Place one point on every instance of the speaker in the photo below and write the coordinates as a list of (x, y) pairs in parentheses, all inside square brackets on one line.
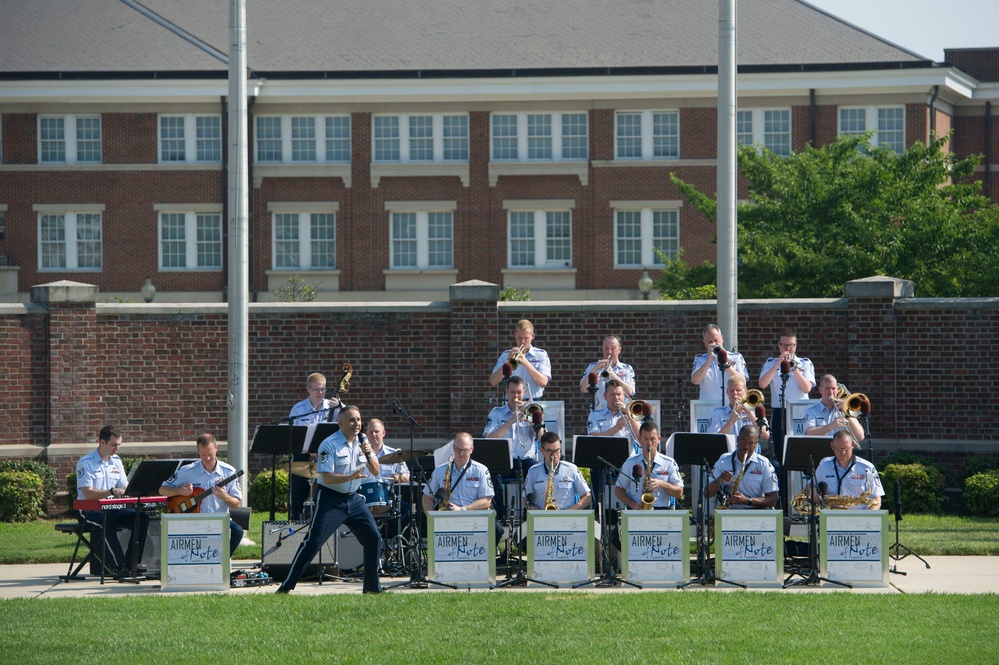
[(150, 559), (280, 543)]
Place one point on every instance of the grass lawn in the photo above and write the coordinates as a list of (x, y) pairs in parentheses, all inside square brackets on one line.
[(556, 627)]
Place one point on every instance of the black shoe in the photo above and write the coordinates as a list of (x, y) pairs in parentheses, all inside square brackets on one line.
[(283, 590)]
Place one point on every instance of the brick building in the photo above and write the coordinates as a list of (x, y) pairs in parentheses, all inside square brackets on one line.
[(399, 147)]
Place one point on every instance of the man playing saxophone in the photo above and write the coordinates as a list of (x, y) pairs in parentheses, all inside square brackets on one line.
[(663, 480), (569, 490), (470, 486), (846, 475), (757, 485)]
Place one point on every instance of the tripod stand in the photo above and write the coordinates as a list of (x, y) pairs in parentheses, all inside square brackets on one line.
[(813, 577), (608, 573), (704, 567), (417, 580), (519, 568), (898, 551)]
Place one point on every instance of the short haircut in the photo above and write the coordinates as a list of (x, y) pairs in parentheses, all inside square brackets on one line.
[(843, 434), (107, 432), (648, 426), (206, 439), (524, 324), (711, 327), (315, 377), (787, 332), (827, 378), (737, 379), (550, 437), (613, 383), (374, 421), (515, 381)]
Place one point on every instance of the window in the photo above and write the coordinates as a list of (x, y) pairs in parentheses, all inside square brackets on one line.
[(420, 138), (302, 139), (540, 137), (647, 135), (422, 240), (190, 241), (69, 241), (190, 139), (1, 138), (640, 232), (888, 123), (770, 128), (540, 238), (69, 139), (304, 240)]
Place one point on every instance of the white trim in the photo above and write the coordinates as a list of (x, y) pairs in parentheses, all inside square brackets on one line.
[(421, 206), (304, 214), (636, 205), (646, 220), (538, 204), (190, 239), (422, 211), (190, 137), (71, 248), (303, 206), (68, 207), (185, 207)]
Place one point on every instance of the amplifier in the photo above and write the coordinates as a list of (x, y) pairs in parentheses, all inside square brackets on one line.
[(150, 559), (280, 543)]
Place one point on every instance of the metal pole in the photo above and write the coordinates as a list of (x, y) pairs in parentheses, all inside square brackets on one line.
[(728, 292), (238, 233)]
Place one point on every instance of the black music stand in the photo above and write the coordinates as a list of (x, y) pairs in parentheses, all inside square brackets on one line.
[(277, 440), (598, 452), (801, 451)]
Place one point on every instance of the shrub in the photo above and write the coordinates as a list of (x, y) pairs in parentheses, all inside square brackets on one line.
[(922, 486), (259, 498), (50, 485), (979, 464), (980, 491), (512, 293), (902, 457), (20, 496)]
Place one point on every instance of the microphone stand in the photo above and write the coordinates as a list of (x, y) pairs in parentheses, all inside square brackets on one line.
[(681, 406), (517, 525), (417, 580), (704, 567), (894, 550), (608, 574), (813, 577)]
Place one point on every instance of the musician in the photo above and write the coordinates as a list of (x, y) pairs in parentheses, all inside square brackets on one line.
[(208, 473), (845, 474), (732, 418), (613, 419), (570, 489), (609, 362), (343, 458), (708, 374), (508, 422), (471, 486), (829, 415), (100, 474), (534, 366), (397, 473), (313, 409), (757, 486), (800, 381), (664, 481)]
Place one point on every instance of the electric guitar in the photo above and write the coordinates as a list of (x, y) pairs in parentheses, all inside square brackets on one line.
[(191, 503)]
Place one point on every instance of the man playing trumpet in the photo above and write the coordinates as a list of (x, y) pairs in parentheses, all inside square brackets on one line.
[(711, 368), (739, 413), (607, 368), (526, 361), (829, 415)]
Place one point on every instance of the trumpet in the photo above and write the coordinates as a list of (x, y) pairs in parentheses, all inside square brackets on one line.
[(605, 374), (517, 357), (639, 410), (753, 398)]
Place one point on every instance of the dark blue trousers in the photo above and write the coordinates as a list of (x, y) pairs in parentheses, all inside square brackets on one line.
[(332, 510)]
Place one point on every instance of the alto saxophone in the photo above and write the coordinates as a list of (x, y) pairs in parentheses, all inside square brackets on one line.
[(550, 491), (648, 497), (446, 501), (727, 501)]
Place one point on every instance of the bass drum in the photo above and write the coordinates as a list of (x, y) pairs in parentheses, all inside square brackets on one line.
[(376, 495), (350, 554)]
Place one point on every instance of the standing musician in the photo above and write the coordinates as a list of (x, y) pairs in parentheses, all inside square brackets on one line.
[(508, 422), (609, 367), (829, 415), (664, 479), (471, 487), (708, 372), (569, 489), (532, 363), (732, 418), (800, 381), (313, 409), (100, 474), (613, 419), (845, 474), (206, 474), (343, 458), (757, 484)]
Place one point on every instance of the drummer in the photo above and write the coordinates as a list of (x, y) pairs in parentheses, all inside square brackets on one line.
[(391, 473)]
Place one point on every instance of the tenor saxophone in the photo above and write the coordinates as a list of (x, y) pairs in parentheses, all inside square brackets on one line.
[(550, 491), (727, 502), (648, 497), (446, 501)]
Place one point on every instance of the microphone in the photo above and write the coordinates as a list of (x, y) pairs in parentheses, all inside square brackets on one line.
[(785, 367), (530, 498), (646, 412), (898, 501), (537, 420), (591, 380), (723, 358), (362, 440), (823, 489), (507, 370), (637, 471), (761, 416)]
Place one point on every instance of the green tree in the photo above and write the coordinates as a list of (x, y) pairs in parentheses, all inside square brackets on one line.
[(297, 290), (819, 218)]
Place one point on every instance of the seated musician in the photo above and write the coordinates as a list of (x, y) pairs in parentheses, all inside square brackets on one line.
[(205, 475), (846, 475), (99, 475), (470, 488), (757, 480), (614, 420), (393, 474), (569, 490), (508, 422), (829, 415), (732, 418), (313, 409)]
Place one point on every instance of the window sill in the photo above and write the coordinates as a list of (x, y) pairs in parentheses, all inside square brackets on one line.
[(419, 170), (301, 170), (548, 279), (328, 280), (580, 169), (419, 280)]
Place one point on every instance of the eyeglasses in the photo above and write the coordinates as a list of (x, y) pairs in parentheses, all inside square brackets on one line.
[(551, 450), (318, 389), (462, 450), (788, 346)]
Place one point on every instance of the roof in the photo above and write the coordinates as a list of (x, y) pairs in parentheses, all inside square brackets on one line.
[(358, 37)]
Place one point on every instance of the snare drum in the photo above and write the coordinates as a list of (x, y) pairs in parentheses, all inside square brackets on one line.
[(376, 495)]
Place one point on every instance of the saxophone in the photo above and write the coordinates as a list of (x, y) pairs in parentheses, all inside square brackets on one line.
[(648, 497), (445, 503), (802, 501), (550, 491), (727, 501)]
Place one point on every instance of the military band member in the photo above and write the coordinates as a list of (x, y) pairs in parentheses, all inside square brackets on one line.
[(800, 381), (829, 415), (664, 481), (845, 474), (732, 418), (708, 373), (471, 486), (570, 491), (533, 364), (390, 473), (614, 420), (609, 367), (508, 422), (313, 409), (757, 485)]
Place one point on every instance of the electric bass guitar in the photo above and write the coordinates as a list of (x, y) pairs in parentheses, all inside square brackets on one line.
[(191, 503)]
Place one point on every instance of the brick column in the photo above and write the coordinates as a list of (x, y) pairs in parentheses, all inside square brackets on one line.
[(73, 390), (474, 329), (872, 339)]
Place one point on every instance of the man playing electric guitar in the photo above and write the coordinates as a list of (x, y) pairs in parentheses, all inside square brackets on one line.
[(191, 480)]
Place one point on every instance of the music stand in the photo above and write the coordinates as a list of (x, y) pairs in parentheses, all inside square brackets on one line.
[(801, 451), (277, 440), (145, 480), (318, 432)]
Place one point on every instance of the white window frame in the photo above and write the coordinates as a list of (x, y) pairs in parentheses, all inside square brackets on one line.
[(557, 137), (422, 213), (540, 238), (70, 143), (437, 123), (69, 214), (647, 211), (190, 138), (647, 126), (191, 214), (871, 121), (759, 135), (319, 125), (304, 213)]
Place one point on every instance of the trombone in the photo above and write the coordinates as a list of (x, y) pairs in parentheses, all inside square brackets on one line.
[(852, 402), (531, 409), (753, 398), (639, 410)]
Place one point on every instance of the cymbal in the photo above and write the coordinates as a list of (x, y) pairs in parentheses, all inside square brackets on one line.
[(398, 456), (304, 469)]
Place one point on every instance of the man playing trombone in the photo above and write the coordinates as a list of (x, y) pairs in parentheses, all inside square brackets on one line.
[(526, 361), (511, 421), (830, 415), (739, 412), (608, 367), (614, 419)]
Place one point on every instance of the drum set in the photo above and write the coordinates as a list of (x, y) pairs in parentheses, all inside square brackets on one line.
[(389, 503)]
